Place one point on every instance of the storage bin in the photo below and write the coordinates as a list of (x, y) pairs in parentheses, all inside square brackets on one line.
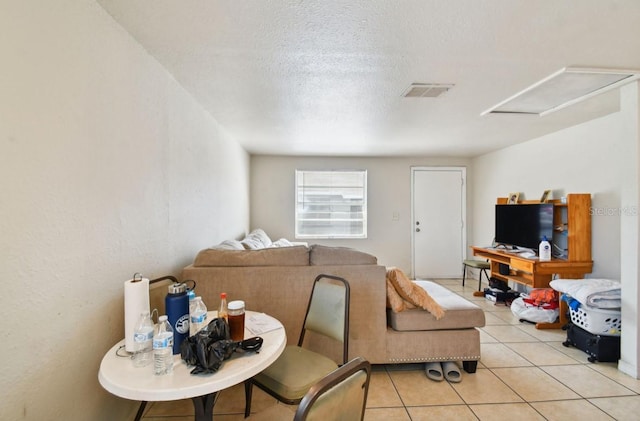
[(596, 320)]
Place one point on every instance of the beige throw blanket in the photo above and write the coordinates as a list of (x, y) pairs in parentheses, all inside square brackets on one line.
[(403, 294)]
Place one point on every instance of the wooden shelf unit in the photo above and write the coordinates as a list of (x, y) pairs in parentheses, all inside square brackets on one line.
[(572, 219), (575, 218)]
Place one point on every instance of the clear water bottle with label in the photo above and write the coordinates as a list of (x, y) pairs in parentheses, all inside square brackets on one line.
[(143, 341), (199, 315), (192, 301), (163, 347)]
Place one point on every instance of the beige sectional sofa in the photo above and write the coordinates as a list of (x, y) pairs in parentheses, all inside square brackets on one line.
[(278, 281)]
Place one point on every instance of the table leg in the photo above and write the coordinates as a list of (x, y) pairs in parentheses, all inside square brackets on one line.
[(143, 404), (203, 406)]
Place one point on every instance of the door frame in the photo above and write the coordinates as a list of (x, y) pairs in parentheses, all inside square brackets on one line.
[(463, 174)]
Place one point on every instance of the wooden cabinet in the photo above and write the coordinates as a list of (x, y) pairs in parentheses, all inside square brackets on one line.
[(571, 225), (572, 235)]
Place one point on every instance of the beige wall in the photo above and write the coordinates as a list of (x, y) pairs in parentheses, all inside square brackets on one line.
[(107, 167), (389, 191)]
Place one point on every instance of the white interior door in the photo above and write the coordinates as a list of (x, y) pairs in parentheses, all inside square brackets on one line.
[(438, 218)]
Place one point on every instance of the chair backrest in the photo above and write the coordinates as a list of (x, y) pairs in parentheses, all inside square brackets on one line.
[(340, 395), (328, 311)]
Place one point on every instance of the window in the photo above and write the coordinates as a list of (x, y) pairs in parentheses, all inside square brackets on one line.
[(331, 204)]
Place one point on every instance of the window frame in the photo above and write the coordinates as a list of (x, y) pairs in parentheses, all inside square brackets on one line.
[(333, 234)]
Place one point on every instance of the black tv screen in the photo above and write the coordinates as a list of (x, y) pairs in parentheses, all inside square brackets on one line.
[(524, 225)]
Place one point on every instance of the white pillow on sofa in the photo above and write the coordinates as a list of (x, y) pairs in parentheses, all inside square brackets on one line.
[(229, 245), (257, 239), (283, 242)]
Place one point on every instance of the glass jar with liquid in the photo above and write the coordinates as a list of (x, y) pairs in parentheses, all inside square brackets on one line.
[(235, 313)]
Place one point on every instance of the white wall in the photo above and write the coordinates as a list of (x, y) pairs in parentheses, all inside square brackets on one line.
[(630, 235), (107, 167), (598, 157), (389, 191), (588, 158)]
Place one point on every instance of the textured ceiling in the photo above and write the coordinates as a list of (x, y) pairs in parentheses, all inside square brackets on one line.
[(326, 77)]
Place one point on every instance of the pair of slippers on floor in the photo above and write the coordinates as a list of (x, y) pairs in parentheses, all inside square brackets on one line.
[(446, 370)]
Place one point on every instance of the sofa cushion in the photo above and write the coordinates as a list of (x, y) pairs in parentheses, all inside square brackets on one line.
[(281, 256), (328, 256), (459, 312)]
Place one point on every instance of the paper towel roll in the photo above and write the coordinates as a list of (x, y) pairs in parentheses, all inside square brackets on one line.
[(136, 300)]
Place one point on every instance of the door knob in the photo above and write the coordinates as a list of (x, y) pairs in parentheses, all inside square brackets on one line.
[(417, 229)]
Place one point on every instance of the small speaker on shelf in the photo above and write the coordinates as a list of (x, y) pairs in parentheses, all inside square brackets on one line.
[(503, 269)]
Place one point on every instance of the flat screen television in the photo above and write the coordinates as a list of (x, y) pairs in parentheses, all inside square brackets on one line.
[(524, 226)]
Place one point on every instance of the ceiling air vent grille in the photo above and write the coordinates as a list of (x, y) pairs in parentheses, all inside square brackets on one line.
[(426, 90)]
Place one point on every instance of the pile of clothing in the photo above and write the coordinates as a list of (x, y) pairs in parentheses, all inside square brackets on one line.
[(539, 306)]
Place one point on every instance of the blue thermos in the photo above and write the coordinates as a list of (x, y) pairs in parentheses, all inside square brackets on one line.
[(177, 306)]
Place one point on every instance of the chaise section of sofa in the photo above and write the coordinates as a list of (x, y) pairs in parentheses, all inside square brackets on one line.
[(454, 337)]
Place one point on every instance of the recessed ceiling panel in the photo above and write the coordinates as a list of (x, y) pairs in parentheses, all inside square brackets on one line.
[(563, 88)]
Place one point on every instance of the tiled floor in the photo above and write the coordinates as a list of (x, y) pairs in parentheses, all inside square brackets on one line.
[(524, 374)]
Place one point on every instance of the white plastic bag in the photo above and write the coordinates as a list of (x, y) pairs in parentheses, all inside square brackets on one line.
[(533, 313)]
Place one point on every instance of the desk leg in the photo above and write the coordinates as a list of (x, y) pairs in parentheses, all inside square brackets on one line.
[(562, 319), (203, 406)]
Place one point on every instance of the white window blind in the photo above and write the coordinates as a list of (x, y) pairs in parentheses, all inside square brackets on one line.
[(331, 204)]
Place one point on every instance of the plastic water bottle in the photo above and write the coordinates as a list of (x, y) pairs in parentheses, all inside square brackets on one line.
[(163, 347), (192, 301), (544, 251), (143, 341), (199, 315)]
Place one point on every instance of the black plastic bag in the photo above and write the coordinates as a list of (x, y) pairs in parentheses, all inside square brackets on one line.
[(499, 284), (207, 349)]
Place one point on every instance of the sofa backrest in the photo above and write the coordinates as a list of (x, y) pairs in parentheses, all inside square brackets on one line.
[(315, 255), (334, 256), (281, 256)]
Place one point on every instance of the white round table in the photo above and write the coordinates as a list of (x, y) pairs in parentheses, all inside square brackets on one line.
[(118, 375)]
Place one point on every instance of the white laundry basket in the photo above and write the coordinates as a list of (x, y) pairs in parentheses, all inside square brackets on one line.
[(596, 320)]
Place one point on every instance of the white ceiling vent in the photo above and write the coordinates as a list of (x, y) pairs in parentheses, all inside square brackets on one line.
[(426, 90), (563, 88)]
